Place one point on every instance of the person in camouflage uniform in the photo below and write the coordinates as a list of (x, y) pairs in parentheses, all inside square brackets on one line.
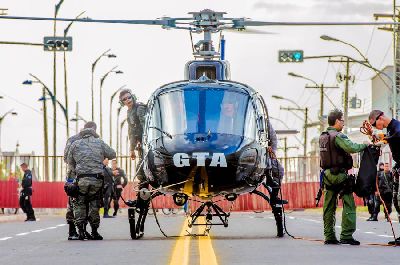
[(86, 155), (136, 116), (69, 216)]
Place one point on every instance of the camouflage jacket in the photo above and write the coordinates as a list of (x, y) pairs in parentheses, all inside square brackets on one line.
[(70, 141), (136, 118), (86, 155)]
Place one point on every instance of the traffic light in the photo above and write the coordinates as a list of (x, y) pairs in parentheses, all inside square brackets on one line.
[(57, 44), (290, 56)]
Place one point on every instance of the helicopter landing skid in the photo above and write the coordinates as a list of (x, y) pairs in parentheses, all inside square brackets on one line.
[(212, 210)]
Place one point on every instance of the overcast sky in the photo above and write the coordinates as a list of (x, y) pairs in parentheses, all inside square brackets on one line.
[(151, 56)]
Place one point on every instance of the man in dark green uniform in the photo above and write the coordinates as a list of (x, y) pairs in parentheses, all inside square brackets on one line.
[(335, 149)]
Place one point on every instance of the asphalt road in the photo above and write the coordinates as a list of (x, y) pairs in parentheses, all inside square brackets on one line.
[(249, 239)]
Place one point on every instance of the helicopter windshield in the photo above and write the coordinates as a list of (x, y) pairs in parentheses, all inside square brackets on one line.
[(206, 110)]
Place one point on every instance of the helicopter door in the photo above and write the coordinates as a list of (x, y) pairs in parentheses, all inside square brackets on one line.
[(262, 120)]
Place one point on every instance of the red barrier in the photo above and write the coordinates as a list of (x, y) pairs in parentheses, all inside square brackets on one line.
[(51, 195)]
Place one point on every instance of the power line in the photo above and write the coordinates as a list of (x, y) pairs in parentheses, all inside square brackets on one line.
[(32, 108)]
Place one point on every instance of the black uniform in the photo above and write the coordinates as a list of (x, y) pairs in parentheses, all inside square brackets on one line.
[(108, 190), (25, 196), (393, 138), (117, 187), (385, 183)]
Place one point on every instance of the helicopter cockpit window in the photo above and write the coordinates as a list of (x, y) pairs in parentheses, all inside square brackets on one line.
[(209, 71), (206, 110), (155, 121)]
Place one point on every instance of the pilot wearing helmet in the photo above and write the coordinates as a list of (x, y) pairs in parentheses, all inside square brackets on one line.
[(136, 117)]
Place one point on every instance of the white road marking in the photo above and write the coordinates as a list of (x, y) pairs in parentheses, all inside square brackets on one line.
[(338, 226), (5, 238), (51, 227), (385, 236), (61, 225), (23, 234), (270, 217), (37, 231), (369, 232), (291, 217)]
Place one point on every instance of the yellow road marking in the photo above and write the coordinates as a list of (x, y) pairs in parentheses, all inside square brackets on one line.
[(207, 254), (180, 256)]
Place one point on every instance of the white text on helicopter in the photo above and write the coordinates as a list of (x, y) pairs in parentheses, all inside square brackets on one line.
[(182, 159)]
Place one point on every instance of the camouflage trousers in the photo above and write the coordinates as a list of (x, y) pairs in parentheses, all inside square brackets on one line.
[(69, 216), (87, 205)]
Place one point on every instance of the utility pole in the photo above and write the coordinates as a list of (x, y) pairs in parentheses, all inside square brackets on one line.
[(396, 54), (347, 77), (305, 110), (46, 137), (321, 88), (285, 149)]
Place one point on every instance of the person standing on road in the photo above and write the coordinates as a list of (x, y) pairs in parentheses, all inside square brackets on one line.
[(71, 177), (379, 120), (274, 179), (373, 201), (86, 156), (26, 193), (136, 116), (108, 189), (335, 149), (385, 184), (120, 181)]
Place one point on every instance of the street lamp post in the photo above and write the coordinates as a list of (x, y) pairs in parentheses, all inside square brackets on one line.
[(322, 93), (118, 113), (65, 71), (104, 54), (10, 112), (365, 63), (77, 118), (111, 100), (101, 95), (56, 9), (120, 134), (55, 102), (45, 129)]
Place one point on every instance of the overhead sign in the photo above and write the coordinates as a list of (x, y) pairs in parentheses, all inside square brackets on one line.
[(290, 56)]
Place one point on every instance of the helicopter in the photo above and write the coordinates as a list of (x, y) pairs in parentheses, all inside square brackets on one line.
[(205, 136)]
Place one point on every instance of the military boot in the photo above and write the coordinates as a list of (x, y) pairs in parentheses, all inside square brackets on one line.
[(81, 232), (87, 234), (279, 224), (72, 234), (95, 234)]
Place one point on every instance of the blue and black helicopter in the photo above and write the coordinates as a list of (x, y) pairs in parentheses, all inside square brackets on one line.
[(205, 136)]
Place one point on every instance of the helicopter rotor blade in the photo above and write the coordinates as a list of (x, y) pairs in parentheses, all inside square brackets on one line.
[(252, 23), (168, 22), (249, 31)]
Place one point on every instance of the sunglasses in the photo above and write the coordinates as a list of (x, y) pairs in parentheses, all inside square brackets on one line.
[(127, 98), (377, 118)]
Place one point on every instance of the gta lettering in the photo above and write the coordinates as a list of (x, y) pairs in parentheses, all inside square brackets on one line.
[(182, 159)]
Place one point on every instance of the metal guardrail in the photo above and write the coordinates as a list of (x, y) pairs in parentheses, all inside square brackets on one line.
[(9, 167), (297, 169)]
